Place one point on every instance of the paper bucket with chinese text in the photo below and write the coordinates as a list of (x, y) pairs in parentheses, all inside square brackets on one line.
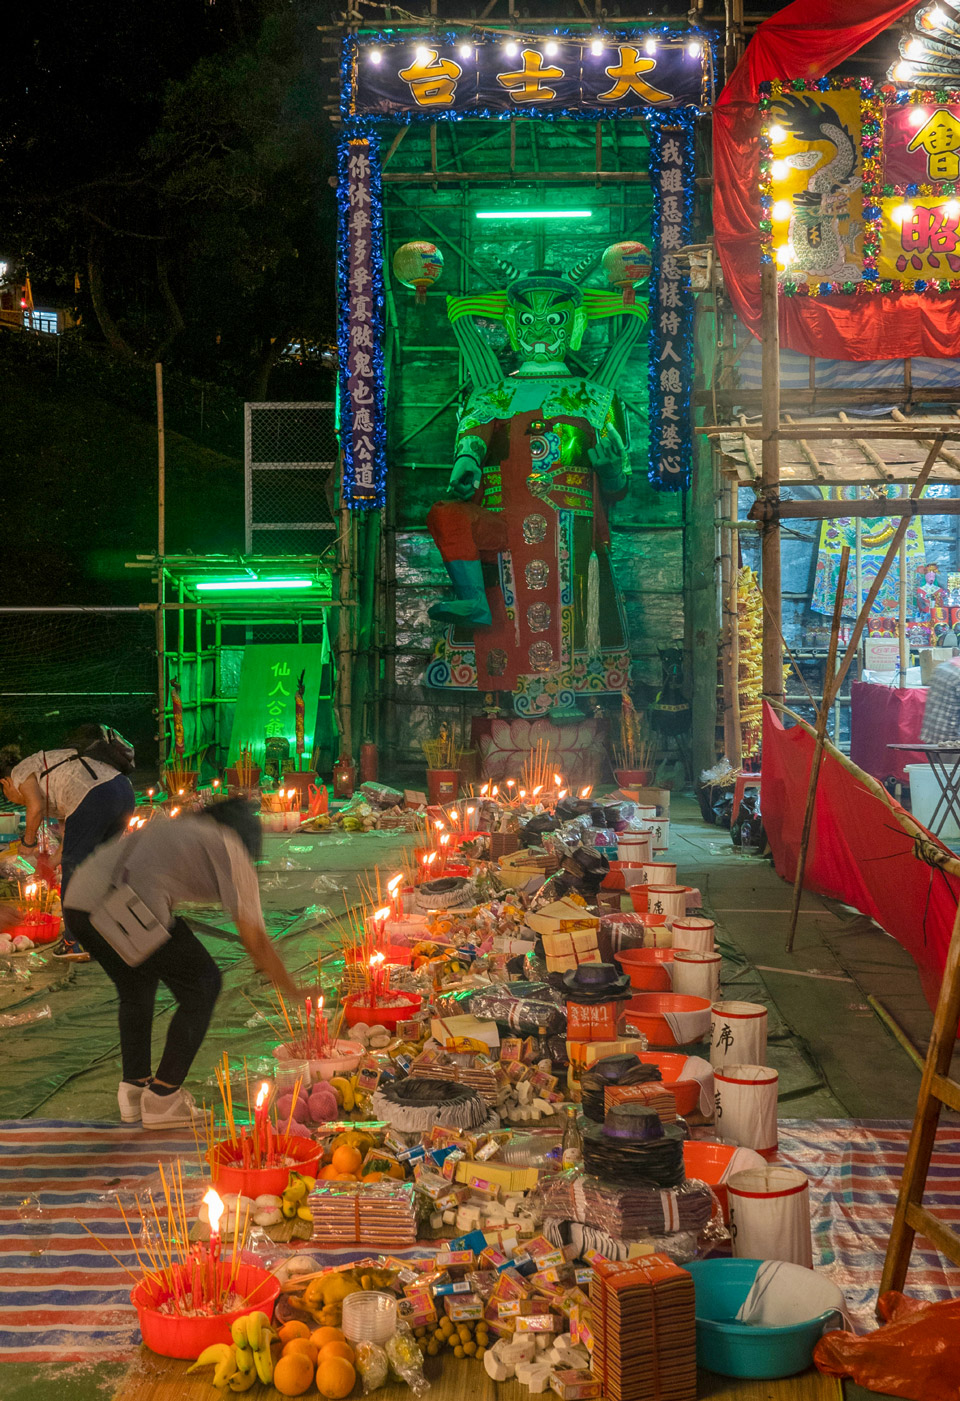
[(770, 1214), (693, 932), (634, 847), (669, 900), (659, 873), (738, 1033), (747, 1107), (695, 973)]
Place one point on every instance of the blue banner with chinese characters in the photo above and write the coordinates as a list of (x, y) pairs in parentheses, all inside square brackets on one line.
[(436, 77), (671, 307), (360, 269)]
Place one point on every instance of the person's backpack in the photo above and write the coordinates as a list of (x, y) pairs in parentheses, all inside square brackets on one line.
[(110, 748)]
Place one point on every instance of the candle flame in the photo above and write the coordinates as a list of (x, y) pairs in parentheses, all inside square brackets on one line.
[(174, 811), (262, 1093), (214, 1204), (379, 915), (538, 789), (439, 825), (132, 822), (496, 790), (558, 779), (150, 792), (562, 793), (179, 792), (511, 783), (215, 784), (470, 811), (430, 859), (585, 792), (377, 958), (444, 839), (393, 884), (484, 790), (523, 792)]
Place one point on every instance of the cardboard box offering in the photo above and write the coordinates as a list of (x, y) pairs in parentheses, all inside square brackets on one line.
[(461, 1308), (575, 1384)]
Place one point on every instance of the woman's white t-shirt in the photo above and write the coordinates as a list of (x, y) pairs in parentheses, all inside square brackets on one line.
[(69, 783)]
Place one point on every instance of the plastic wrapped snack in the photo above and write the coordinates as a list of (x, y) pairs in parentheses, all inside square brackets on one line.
[(406, 1360), (373, 1366)]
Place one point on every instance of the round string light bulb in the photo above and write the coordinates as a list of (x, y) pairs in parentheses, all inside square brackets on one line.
[(511, 49), (777, 134), (785, 255), (903, 72), (551, 49), (779, 170), (650, 46), (903, 211), (782, 209), (596, 47), (915, 49), (465, 51), (375, 56)]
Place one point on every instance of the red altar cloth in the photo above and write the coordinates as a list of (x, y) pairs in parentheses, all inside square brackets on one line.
[(858, 852), (882, 715)]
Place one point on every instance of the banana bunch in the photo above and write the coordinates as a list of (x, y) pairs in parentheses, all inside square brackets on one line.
[(247, 1359), (294, 1200), (345, 1090)]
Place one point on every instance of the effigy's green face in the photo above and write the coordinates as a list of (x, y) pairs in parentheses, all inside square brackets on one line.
[(544, 327)]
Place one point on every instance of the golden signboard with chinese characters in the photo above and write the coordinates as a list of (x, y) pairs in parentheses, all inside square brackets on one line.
[(920, 239), (860, 187)]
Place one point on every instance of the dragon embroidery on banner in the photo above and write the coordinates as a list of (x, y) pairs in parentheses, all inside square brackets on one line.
[(818, 247)]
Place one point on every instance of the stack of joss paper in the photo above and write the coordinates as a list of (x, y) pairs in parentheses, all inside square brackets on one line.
[(643, 1321)]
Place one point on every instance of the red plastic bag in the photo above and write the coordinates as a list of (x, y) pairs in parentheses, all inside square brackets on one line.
[(916, 1354)]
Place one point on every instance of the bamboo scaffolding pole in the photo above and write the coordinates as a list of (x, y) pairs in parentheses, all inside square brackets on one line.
[(832, 684), (770, 483), (823, 714)]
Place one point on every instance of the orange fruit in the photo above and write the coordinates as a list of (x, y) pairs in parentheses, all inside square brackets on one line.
[(346, 1159), (372, 1177), (396, 1170), (343, 1177), (336, 1349), (304, 1346), (293, 1375), (335, 1378), (293, 1329), (327, 1172), (322, 1336)]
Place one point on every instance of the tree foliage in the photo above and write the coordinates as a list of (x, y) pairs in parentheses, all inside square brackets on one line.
[(172, 161)]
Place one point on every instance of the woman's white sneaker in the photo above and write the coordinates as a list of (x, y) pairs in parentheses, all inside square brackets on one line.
[(168, 1111), (129, 1096)]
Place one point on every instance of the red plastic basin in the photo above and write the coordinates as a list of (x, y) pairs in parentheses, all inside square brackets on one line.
[(172, 1336), (257, 1182), (646, 1013), (708, 1162), (357, 1010), (670, 1065), (646, 968), (42, 929)]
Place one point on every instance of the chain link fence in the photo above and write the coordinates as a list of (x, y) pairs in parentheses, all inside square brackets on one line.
[(62, 666), (290, 459)]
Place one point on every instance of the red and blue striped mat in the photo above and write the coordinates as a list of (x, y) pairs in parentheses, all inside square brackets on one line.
[(63, 1299)]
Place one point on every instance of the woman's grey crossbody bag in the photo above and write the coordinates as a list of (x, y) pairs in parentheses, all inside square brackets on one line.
[(129, 927)]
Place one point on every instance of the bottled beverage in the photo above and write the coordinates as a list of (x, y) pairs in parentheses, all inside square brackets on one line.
[(572, 1150)]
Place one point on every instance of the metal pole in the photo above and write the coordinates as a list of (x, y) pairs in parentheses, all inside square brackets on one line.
[(161, 631), (902, 618), (858, 575), (770, 488)]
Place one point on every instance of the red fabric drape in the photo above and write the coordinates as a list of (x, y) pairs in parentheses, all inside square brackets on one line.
[(807, 40), (881, 716), (858, 851)]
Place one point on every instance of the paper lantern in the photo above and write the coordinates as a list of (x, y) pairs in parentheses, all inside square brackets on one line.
[(626, 264), (418, 265)]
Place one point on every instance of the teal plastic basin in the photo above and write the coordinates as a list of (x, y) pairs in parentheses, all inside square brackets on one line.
[(741, 1349)]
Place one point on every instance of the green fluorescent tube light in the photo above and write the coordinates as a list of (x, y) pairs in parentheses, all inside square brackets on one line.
[(534, 213), (233, 585)]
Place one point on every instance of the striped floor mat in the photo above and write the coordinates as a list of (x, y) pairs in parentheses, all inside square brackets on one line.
[(63, 1299)]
